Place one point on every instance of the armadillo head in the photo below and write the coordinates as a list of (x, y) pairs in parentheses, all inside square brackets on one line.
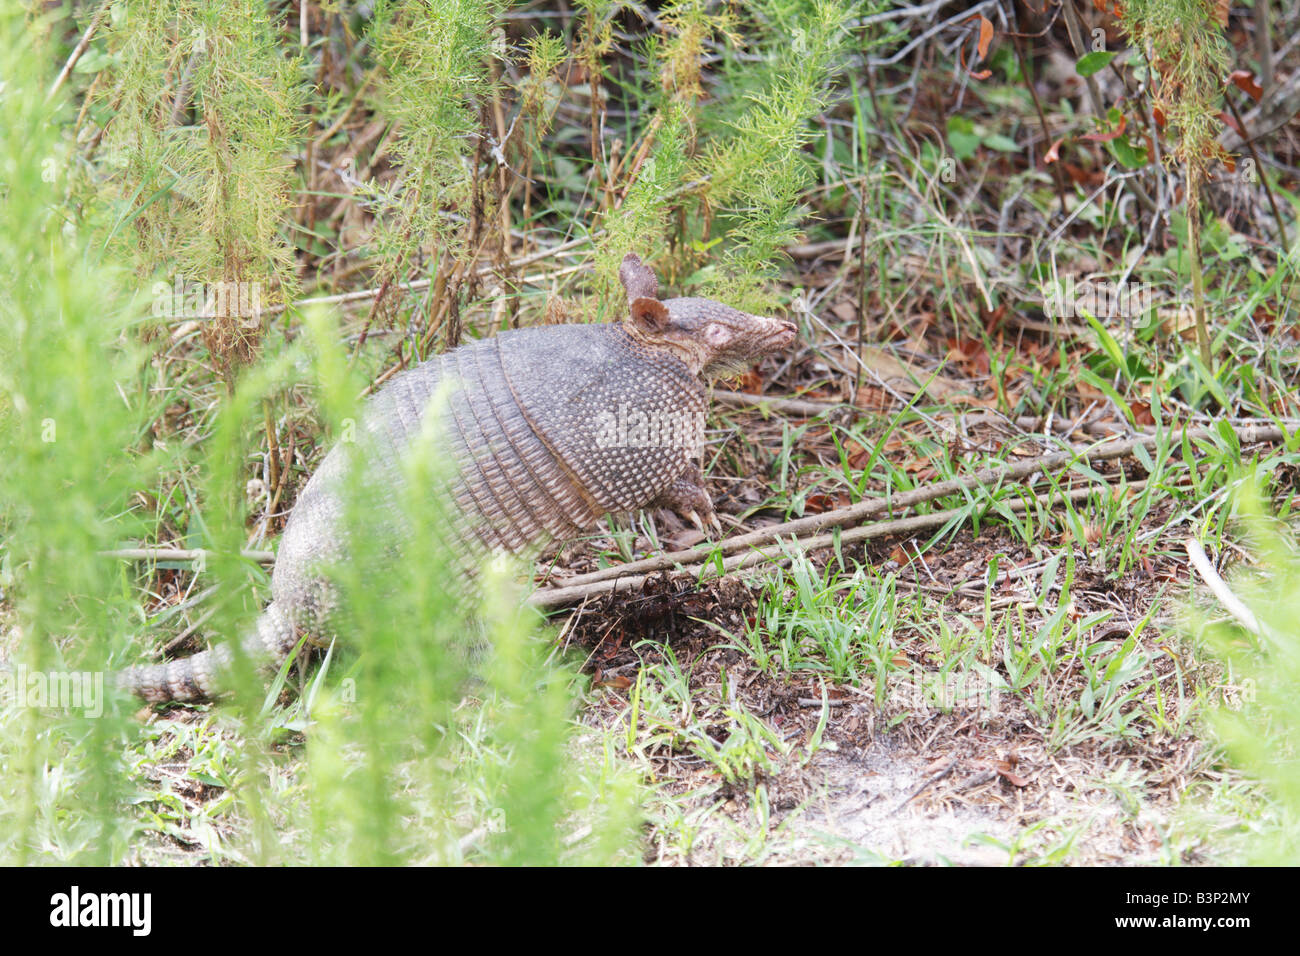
[(714, 340)]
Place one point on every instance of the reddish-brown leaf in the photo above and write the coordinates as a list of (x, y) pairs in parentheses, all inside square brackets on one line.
[(1142, 413), (1231, 121), (981, 48), (1265, 316), (994, 318), (986, 36), (873, 398), (1014, 778), (1089, 178), (817, 503), (1245, 81), (1006, 770)]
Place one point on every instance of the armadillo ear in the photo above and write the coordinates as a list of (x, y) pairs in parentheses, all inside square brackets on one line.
[(650, 314), (638, 278)]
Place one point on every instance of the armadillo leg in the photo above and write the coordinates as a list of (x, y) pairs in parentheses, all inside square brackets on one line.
[(689, 497)]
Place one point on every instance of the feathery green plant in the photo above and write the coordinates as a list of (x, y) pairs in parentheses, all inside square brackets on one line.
[(64, 434), (400, 765), (201, 117), (436, 82), (754, 168), (758, 171), (1189, 57), (1260, 726)]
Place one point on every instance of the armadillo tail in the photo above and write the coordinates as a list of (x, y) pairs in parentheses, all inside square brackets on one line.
[(206, 674)]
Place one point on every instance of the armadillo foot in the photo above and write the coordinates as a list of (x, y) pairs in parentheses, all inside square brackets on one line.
[(689, 499)]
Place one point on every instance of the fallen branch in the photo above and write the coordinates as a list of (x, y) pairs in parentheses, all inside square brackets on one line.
[(839, 517), (804, 408), (633, 574), (790, 406), (181, 554), (782, 550)]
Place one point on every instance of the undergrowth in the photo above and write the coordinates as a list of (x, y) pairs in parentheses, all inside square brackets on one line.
[(230, 221)]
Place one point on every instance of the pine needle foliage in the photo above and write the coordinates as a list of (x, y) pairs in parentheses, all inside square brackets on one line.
[(435, 59), (65, 432), (1189, 59), (201, 116), (448, 734), (759, 170), (742, 189), (436, 64)]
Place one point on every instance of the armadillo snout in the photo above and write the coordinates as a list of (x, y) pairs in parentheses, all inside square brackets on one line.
[(781, 335)]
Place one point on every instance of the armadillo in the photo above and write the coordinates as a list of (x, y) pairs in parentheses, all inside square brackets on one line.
[(549, 429)]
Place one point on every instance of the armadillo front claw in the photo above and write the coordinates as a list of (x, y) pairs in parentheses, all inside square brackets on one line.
[(708, 525)]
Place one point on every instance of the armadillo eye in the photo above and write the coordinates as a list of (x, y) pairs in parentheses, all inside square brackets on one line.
[(717, 336)]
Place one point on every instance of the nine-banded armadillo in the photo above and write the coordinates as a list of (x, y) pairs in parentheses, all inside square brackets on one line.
[(549, 430)]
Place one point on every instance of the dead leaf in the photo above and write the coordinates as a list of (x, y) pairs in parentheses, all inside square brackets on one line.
[(1083, 177), (981, 48), (986, 37), (1244, 80), (1142, 413), (1089, 392), (1004, 770), (1231, 122), (971, 354), (994, 318), (818, 503), (845, 311), (873, 399), (1177, 320), (907, 379), (1265, 316)]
